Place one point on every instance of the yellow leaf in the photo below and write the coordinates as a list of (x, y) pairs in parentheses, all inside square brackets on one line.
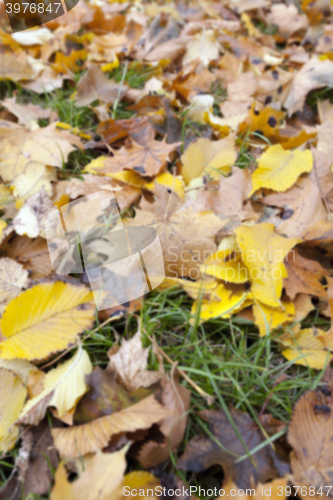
[(3, 224), (50, 317), (263, 253), (128, 177), (12, 396), (232, 271), (267, 318), (222, 304), (62, 387), (211, 158), (307, 349), (87, 438), (141, 480), (279, 169), (102, 479), (173, 182), (95, 165)]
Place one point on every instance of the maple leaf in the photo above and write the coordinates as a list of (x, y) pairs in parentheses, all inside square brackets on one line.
[(95, 85), (178, 233), (130, 364), (147, 160)]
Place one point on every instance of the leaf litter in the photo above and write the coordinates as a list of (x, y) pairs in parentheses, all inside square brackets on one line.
[(211, 122)]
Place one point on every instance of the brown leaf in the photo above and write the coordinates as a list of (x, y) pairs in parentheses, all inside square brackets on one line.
[(27, 115), (95, 85), (104, 397), (147, 160), (303, 276), (177, 399), (33, 254), (310, 435), (185, 236), (13, 277), (203, 452), (130, 364), (138, 129), (87, 438)]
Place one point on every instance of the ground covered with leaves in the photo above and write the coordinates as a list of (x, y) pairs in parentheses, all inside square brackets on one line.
[(211, 122)]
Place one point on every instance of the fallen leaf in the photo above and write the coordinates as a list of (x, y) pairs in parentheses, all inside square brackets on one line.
[(268, 318), (52, 314), (176, 399), (147, 160), (95, 85), (279, 169), (313, 75), (307, 348), (87, 438), (211, 158), (101, 480), (13, 394), (33, 254), (62, 387), (304, 276), (263, 253), (12, 279), (311, 459), (202, 451)]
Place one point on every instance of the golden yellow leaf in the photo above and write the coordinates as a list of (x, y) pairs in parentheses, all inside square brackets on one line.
[(3, 224), (173, 182), (222, 303), (307, 349), (267, 318), (211, 158), (141, 481), (263, 253), (232, 270), (87, 438), (12, 396), (102, 479), (51, 315), (279, 169), (13, 277), (62, 387)]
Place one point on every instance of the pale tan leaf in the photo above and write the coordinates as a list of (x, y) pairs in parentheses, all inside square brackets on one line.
[(88, 438)]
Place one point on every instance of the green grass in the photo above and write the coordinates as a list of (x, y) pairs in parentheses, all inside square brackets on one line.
[(225, 358), (134, 74)]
